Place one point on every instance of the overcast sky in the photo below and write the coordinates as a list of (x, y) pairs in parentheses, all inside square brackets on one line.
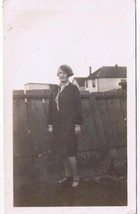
[(40, 35)]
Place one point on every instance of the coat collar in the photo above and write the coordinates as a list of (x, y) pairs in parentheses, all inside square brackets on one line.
[(63, 85)]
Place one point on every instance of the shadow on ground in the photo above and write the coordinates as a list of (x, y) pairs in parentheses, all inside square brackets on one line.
[(105, 191)]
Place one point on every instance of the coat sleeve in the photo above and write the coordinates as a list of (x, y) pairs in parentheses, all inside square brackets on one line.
[(78, 107), (50, 109)]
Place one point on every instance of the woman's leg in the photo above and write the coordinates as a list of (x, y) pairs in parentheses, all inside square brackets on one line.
[(67, 167), (73, 163)]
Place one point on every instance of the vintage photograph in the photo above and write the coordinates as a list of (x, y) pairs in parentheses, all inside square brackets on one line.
[(69, 73)]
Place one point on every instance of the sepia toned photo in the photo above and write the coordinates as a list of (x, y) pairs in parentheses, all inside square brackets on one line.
[(69, 76)]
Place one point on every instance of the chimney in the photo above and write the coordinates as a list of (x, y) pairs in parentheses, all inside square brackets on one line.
[(116, 68), (90, 70)]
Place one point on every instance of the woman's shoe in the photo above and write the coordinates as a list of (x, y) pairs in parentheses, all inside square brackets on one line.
[(66, 180), (75, 183)]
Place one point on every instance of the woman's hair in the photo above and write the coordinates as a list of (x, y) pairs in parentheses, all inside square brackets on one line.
[(67, 69)]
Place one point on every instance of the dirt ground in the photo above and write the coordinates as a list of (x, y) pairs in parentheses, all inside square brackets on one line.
[(93, 191)]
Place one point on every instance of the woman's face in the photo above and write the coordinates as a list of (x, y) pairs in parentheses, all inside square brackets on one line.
[(63, 77)]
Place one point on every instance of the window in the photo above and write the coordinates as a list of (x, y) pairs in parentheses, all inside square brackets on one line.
[(123, 80), (93, 83)]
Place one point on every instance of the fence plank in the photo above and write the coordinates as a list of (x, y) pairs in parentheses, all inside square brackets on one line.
[(117, 121), (49, 135), (101, 105), (88, 128), (123, 106), (38, 126), (22, 143), (46, 104), (98, 122)]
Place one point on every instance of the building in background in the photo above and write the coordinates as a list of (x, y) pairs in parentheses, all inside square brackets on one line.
[(105, 78)]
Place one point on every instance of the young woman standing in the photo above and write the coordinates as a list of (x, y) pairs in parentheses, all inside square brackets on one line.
[(64, 121)]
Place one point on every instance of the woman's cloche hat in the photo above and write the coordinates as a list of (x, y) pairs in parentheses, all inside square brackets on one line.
[(67, 69)]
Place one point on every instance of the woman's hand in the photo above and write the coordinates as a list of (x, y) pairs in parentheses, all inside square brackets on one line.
[(77, 129), (50, 128)]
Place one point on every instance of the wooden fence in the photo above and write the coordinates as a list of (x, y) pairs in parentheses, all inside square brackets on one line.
[(104, 125)]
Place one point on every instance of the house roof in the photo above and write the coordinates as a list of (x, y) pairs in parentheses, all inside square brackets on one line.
[(80, 80), (109, 72)]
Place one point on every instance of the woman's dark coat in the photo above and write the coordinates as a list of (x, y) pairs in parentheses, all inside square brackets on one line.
[(64, 120)]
